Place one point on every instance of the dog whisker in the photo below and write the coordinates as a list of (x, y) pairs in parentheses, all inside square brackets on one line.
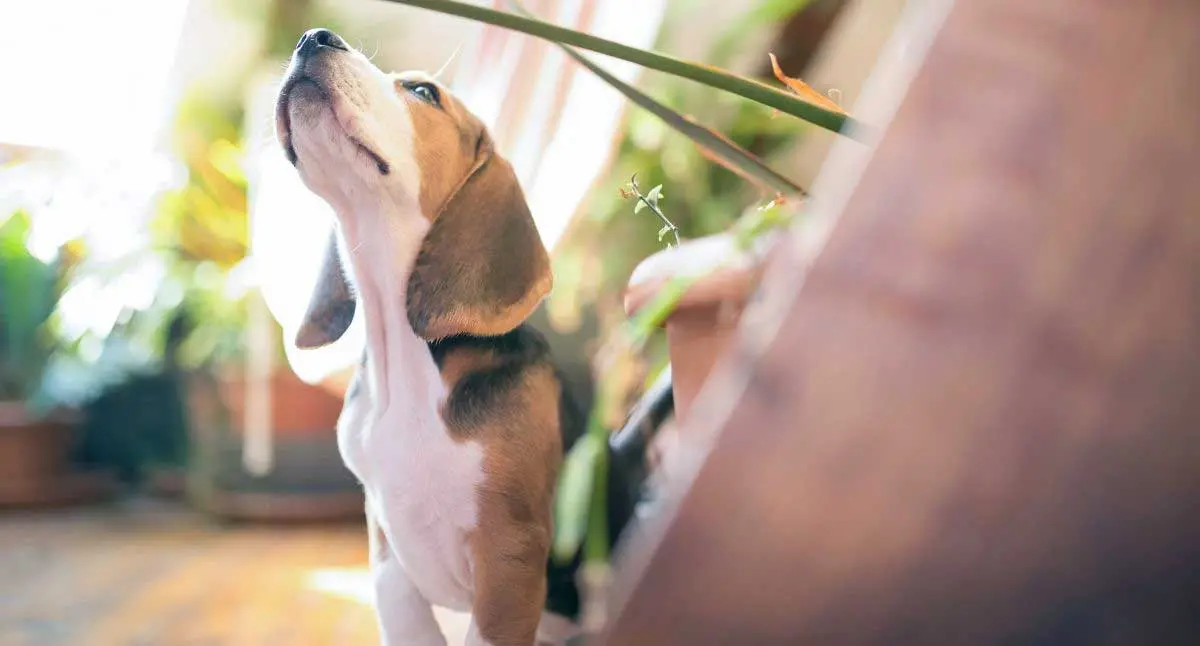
[(357, 247), (453, 55)]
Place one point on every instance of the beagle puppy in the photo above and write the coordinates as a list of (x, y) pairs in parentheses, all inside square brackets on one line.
[(456, 422)]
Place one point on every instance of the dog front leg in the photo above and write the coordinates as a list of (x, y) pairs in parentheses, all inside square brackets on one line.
[(510, 586), (405, 617)]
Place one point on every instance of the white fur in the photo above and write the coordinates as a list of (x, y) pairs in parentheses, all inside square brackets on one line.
[(420, 484)]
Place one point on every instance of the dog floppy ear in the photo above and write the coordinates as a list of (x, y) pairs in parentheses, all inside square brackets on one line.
[(482, 268), (331, 306)]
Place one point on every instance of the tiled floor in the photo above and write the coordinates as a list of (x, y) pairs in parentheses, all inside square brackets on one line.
[(145, 573)]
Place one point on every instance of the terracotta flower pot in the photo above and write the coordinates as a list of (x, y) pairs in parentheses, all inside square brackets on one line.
[(703, 323), (307, 480), (35, 464), (167, 481), (297, 408)]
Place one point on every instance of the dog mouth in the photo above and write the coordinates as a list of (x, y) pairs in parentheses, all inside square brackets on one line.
[(283, 116)]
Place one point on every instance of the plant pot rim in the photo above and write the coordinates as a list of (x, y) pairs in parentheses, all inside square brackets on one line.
[(726, 274), (326, 506), (75, 487), (16, 413)]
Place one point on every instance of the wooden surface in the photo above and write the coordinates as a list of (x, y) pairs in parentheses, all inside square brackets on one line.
[(978, 419), (151, 574)]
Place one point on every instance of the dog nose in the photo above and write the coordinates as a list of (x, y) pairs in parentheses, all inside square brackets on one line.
[(315, 39)]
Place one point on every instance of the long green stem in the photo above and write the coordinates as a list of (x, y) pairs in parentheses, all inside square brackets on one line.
[(596, 545), (704, 74), (577, 505), (725, 150)]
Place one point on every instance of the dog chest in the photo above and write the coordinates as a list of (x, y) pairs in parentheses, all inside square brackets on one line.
[(421, 486)]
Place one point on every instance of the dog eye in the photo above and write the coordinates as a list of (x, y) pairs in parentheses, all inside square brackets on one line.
[(427, 92)]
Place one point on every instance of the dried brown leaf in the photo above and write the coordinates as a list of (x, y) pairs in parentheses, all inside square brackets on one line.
[(804, 90)]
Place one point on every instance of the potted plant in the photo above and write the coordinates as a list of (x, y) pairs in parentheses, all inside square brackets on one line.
[(171, 413), (300, 477), (720, 270), (138, 424), (37, 434)]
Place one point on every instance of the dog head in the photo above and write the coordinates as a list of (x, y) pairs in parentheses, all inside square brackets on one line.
[(419, 190)]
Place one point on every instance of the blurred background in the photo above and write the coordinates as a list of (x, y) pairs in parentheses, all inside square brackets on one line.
[(168, 467)]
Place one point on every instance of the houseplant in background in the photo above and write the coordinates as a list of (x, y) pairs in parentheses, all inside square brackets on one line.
[(708, 197), (722, 270), (172, 342), (305, 478), (37, 433)]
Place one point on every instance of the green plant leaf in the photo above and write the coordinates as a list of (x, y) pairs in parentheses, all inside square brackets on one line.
[(28, 294), (719, 147), (705, 74), (662, 233), (654, 195), (638, 206), (595, 546), (575, 495)]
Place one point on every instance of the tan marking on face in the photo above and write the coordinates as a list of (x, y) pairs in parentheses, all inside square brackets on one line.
[(444, 140)]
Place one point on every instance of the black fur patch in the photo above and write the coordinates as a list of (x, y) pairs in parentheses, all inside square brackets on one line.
[(480, 394)]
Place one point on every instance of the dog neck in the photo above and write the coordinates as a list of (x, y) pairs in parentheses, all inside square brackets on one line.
[(380, 245)]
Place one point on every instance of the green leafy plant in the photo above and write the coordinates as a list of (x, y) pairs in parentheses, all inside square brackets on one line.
[(594, 258), (581, 503), (29, 290), (197, 239), (205, 223), (173, 304), (650, 200)]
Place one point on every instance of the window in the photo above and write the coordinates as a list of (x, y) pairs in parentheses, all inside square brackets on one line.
[(84, 76)]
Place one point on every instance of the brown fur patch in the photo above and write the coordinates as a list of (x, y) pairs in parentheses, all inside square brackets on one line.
[(522, 454), (445, 140), (482, 268), (505, 395)]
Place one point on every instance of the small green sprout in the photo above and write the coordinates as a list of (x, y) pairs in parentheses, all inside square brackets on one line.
[(650, 200)]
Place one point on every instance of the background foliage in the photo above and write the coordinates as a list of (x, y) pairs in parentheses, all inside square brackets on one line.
[(593, 261)]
